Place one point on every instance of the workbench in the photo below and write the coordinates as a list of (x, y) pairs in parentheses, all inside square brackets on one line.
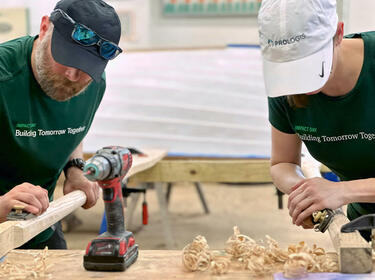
[(197, 170), (162, 264)]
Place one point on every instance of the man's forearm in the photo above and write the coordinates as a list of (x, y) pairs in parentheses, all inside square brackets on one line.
[(78, 152), (286, 175)]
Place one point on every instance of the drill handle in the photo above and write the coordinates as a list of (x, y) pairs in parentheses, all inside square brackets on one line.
[(114, 206)]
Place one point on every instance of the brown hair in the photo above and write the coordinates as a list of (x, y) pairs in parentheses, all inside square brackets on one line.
[(298, 100)]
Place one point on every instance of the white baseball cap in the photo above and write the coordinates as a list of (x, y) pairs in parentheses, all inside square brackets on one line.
[(296, 39)]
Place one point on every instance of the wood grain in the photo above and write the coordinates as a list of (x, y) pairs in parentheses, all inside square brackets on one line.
[(158, 264), (15, 233), (354, 251), (205, 171)]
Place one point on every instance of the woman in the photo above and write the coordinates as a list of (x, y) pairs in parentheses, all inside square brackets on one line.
[(321, 92)]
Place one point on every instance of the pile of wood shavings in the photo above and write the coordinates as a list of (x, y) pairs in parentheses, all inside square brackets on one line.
[(197, 256), (243, 252), (37, 270)]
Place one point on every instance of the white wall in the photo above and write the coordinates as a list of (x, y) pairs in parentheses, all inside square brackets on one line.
[(200, 32), (153, 31), (136, 35), (37, 9), (359, 15)]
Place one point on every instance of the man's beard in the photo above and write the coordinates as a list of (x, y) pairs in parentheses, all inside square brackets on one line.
[(55, 86)]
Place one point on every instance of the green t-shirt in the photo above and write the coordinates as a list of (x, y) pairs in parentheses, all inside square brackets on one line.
[(338, 131), (38, 134)]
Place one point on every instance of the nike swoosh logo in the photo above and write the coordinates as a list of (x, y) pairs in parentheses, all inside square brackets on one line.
[(322, 75)]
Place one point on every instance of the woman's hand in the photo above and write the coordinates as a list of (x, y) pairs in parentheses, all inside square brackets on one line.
[(311, 195)]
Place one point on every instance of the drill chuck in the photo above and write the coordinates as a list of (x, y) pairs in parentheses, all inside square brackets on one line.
[(108, 163), (97, 168)]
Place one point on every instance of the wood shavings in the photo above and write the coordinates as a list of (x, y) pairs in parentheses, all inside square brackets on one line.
[(275, 252), (220, 264), (37, 270), (196, 255), (298, 265), (321, 262), (239, 246), (243, 252)]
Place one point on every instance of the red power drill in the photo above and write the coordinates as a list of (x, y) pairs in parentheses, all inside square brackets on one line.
[(115, 249)]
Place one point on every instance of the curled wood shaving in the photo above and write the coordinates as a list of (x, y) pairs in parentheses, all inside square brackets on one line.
[(220, 264), (243, 252), (275, 252), (196, 255), (258, 265), (37, 270), (239, 246), (301, 254), (298, 265)]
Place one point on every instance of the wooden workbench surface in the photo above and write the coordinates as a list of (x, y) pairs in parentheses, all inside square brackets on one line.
[(162, 264)]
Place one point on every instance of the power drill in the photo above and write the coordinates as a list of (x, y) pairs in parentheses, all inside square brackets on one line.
[(115, 249)]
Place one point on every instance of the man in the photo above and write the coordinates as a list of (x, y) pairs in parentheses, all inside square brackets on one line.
[(321, 91), (50, 88)]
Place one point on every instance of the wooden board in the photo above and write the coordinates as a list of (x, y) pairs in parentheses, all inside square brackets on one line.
[(355, 253), (206, 170), (15, 233), (146, 161), (161, 264)]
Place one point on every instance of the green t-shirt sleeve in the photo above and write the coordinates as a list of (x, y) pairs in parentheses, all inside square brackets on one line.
[(278, 114)]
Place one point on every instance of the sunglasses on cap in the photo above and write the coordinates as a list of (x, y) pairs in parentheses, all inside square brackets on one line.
[(86, 37)]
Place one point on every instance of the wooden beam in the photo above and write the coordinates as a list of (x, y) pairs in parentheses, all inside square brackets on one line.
[(146, 161), (206, 170), (354, 251), (15, 233)]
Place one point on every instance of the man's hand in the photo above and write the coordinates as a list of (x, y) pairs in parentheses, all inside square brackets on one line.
[(312, 195), (34, 198), (75, 180)]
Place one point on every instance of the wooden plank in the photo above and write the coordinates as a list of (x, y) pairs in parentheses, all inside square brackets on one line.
[(354, 251), (146, 161), (15, 233), (153, 264), (213, 170)]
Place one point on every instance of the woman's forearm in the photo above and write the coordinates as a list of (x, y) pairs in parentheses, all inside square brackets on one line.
[(286, 175), (362, 190)]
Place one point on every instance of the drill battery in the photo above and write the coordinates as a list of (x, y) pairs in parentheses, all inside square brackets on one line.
[(111, 254)]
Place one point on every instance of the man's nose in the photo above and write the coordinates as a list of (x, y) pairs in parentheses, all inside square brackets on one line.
[(74, 75)]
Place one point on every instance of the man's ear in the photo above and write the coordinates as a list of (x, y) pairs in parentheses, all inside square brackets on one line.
[(44, 26)]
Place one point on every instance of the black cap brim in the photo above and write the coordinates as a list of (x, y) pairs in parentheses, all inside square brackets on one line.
[(72, 54)]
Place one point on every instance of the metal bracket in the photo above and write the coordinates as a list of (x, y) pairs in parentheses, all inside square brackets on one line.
[(17, 214), (322, 219)]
